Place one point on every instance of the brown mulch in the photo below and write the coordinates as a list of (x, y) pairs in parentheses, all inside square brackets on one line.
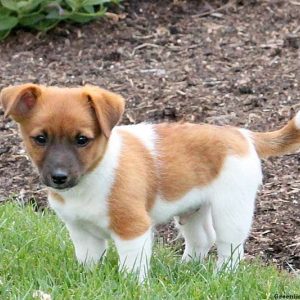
[(172, 61)]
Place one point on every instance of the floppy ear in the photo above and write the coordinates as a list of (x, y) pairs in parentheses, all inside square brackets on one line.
[(109, 107), (19, 100)]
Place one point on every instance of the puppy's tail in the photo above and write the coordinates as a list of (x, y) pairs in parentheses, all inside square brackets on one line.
[(279, 142)]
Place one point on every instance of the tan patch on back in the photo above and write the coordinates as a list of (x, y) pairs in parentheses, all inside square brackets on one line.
[(57, 197), (134, 189), (192, 155)]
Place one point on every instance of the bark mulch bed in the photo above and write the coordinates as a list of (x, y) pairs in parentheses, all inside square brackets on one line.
[(236, 63)]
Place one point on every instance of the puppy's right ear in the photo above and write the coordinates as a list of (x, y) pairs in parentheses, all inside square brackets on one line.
[(18, 101)]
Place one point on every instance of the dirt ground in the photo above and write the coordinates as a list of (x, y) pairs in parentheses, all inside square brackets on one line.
[(172, 61)]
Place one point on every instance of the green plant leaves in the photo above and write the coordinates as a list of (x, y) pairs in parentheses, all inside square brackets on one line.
[(95, 2), (45, 14), (89, 9), (31, 20), (83, 17), (4, 11), (45, 24), (11, 5), (8, 22), (21, 6)]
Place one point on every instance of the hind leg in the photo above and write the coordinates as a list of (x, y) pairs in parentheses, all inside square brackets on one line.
[(198, 233), (232, 218), (233, 200)]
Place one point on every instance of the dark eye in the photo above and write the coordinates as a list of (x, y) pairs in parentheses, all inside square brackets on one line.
[(40, 139), (81, 140)]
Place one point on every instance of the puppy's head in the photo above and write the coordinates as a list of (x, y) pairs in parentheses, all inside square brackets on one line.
[(65, 130)]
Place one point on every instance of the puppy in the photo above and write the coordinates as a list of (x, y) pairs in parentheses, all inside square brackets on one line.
[(107, 181)]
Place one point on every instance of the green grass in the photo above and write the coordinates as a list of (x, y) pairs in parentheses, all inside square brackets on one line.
[(36, 254)]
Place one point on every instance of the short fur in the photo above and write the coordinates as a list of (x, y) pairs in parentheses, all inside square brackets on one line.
[(127, 179)]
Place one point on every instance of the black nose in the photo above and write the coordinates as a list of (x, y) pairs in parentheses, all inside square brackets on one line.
[(59, 177)]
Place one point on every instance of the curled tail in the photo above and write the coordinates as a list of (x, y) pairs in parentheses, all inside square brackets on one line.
[(279, 142)]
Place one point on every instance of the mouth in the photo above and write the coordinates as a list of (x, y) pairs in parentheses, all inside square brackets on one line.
[(61, 188)]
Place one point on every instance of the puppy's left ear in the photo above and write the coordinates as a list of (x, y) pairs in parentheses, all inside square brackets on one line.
[(108, 106), (19, 100)]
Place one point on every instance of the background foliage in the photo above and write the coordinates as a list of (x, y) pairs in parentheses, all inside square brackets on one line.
[(43, 15)]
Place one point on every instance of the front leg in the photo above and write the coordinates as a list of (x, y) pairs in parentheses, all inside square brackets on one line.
[(135, 253), (89, 248)]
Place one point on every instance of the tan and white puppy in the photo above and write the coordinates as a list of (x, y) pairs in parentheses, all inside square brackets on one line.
[(107, 181)]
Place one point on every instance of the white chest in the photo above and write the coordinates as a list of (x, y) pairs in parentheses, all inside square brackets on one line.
[(89, 213)]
